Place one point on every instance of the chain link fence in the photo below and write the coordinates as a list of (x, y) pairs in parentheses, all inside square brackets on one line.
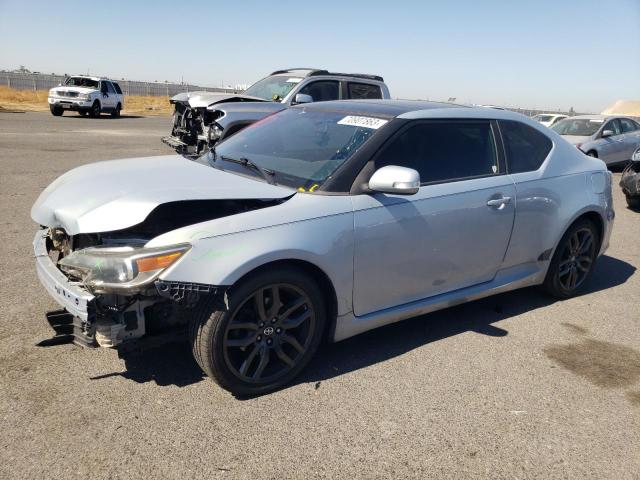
[(40, 81)]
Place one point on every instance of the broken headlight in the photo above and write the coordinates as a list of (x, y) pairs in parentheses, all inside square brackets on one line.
[(215, 132), (119, 269)]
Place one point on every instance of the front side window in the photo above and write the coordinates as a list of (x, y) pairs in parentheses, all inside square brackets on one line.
[(442, 151), (302, 148), (526, 148), (273, 88), (110, 88), (612, 125), (322, 90), (117, 87), (363, 90)]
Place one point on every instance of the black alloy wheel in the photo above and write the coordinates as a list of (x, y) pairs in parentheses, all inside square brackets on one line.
[(269, 333)]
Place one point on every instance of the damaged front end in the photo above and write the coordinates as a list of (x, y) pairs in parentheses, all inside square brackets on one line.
[(92, 252), (190, 129), (193, 128), (110, 293)]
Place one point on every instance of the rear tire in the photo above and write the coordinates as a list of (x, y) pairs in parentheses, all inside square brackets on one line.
[(573, 261), (116, 112), (57, 111), (250, 350), (95, 110)]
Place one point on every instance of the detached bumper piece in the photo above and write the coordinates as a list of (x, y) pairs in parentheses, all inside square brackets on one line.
[(69, 329), (188, 294), (175, 143)]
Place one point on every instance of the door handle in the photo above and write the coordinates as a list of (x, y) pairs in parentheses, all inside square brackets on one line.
[(498, 202)]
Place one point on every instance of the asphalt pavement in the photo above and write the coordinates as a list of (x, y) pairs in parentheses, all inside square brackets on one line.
[(513, 386)]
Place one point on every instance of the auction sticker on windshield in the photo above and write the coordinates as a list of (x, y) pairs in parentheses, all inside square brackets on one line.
[(365, 122)]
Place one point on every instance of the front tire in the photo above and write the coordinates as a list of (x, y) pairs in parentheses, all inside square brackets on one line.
[(271, 330), (95, 110), (573, 260), (57, 111)]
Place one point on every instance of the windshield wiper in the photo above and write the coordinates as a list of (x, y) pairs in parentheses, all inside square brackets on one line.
[(245, 162)]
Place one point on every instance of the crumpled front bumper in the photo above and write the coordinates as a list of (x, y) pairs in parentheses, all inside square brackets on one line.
[(78, 302), (70, 295)]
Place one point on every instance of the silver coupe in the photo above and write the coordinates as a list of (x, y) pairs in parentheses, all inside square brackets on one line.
[(322, 221)]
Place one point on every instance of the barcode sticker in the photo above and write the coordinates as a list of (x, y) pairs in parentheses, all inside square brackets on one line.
[(365, 122)]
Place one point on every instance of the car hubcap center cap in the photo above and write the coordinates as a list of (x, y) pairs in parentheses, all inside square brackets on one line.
[(269, 331)]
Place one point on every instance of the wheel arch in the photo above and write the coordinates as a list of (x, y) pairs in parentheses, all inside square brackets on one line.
[(319, 276), (588, 213)]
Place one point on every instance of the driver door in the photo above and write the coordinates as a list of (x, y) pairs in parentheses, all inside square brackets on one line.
[(107, 98), (452, 234), (612, 147)]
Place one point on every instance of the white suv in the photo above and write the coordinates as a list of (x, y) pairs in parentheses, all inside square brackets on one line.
[(91, 95)]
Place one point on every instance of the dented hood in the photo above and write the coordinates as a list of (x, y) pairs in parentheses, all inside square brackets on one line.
[(204, 99), (117, 194)]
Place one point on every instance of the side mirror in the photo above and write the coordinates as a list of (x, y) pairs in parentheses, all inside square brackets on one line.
[(303, 98), (395, 179), (607, 133)]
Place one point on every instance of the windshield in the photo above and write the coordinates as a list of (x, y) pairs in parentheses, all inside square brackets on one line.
[(81, 82), (273, 88), (543, 118), (579, 127), (302, 148)]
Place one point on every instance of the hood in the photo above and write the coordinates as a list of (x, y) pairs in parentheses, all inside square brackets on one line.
[(117, 194), (574, 139), (204, 99), (69, 88)]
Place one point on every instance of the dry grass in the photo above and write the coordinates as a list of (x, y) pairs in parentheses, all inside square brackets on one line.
[(36, 101)]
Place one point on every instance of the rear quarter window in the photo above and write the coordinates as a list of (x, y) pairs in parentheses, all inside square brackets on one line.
[(525, 147), (363, 90)]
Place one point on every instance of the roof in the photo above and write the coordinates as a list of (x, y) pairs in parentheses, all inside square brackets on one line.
[(378, 107), (415, 109), (590, 117), (313, 72), (97, 79)]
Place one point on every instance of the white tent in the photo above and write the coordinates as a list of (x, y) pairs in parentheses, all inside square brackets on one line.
[(630, 108)]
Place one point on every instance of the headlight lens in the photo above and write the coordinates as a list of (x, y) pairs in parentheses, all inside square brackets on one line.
[(636, 155), (86, 96), (120, 269), (215, 132)]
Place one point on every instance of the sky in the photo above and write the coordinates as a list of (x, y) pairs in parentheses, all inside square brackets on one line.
[(544, 54)]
